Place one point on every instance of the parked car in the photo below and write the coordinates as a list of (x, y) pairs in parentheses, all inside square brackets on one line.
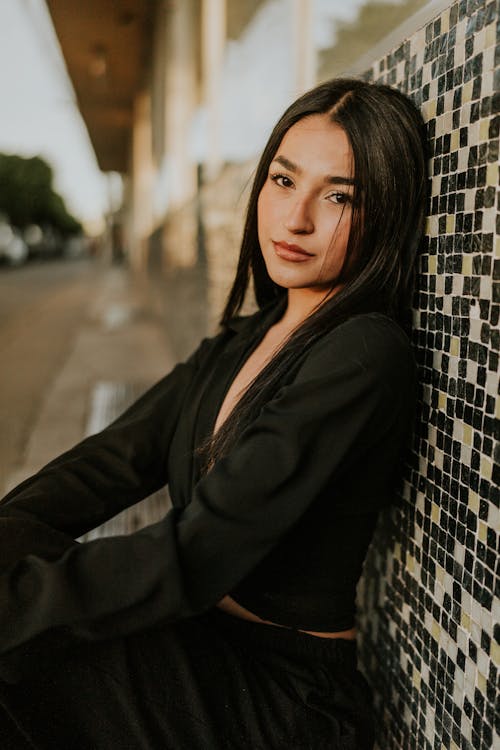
[(43, 241), (76, 246), (13, 248)]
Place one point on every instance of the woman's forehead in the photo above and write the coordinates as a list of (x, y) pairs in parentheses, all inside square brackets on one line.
[(315, 143)]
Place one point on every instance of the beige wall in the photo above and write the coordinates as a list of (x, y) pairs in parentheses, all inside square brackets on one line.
[(224, 205)]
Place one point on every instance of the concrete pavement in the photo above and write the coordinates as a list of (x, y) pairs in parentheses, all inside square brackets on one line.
[(119, 350)]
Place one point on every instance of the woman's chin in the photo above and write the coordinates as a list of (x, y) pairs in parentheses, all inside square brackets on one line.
[(291, 282), (289, 278)]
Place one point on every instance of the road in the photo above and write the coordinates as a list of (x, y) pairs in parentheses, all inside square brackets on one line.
[(41, 307)]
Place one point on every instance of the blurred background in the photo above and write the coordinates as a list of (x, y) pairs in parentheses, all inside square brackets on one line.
[(129, 133)]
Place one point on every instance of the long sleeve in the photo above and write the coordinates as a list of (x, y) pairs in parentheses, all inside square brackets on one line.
[(97, 478), (355, 387)]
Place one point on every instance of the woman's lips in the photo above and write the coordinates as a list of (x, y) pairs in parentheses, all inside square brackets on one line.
[(291, 252)]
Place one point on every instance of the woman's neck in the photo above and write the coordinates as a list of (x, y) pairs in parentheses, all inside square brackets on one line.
[(300, 304)]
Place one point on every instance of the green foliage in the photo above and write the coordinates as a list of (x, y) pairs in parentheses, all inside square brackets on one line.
[(27, 196)]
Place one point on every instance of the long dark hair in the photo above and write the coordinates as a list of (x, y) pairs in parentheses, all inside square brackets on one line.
[(387, 137)]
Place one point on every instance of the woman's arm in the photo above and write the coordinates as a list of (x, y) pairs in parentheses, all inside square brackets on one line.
[(97, 478), (354, 389)]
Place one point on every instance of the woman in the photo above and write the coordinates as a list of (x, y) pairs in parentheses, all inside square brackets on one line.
[(230, 623)]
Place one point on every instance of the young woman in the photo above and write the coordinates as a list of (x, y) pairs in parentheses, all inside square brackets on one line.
[(230, 623)]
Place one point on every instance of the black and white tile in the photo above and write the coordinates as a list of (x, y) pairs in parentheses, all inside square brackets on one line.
[(429, 598)]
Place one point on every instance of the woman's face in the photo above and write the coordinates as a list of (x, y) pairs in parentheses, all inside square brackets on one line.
[(305, 205)]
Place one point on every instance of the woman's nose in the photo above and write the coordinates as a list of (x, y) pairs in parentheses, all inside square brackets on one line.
[(299, 219)]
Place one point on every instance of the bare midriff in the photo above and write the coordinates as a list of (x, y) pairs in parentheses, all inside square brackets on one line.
[(231, 607)]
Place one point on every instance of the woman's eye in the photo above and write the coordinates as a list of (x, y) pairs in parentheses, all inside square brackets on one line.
[(338, 198), (282, 180)]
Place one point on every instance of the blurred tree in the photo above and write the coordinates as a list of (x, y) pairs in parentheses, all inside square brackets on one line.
[(27, 196)]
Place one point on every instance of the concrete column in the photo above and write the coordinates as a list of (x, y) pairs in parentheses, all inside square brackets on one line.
[(180, 101), (142, 185), (213, 25), (305, 53)]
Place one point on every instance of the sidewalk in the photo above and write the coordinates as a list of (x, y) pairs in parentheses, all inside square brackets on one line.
[(119, 351)]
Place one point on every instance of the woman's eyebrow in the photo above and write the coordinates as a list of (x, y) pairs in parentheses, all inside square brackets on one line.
[(288, 164), (330, 179)]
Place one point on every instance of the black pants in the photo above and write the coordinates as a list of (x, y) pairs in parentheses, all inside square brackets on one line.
[(209, 683)]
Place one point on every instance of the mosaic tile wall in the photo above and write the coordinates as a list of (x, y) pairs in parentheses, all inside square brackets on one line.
[(430, 625)]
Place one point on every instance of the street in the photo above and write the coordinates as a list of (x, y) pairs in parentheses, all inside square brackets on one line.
[(66, 327)]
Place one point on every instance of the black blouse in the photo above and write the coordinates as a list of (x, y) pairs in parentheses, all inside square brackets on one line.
[(282, 523)]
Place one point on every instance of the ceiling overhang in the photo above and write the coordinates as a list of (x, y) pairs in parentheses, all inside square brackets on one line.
[(105, 45), (239, 15)]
